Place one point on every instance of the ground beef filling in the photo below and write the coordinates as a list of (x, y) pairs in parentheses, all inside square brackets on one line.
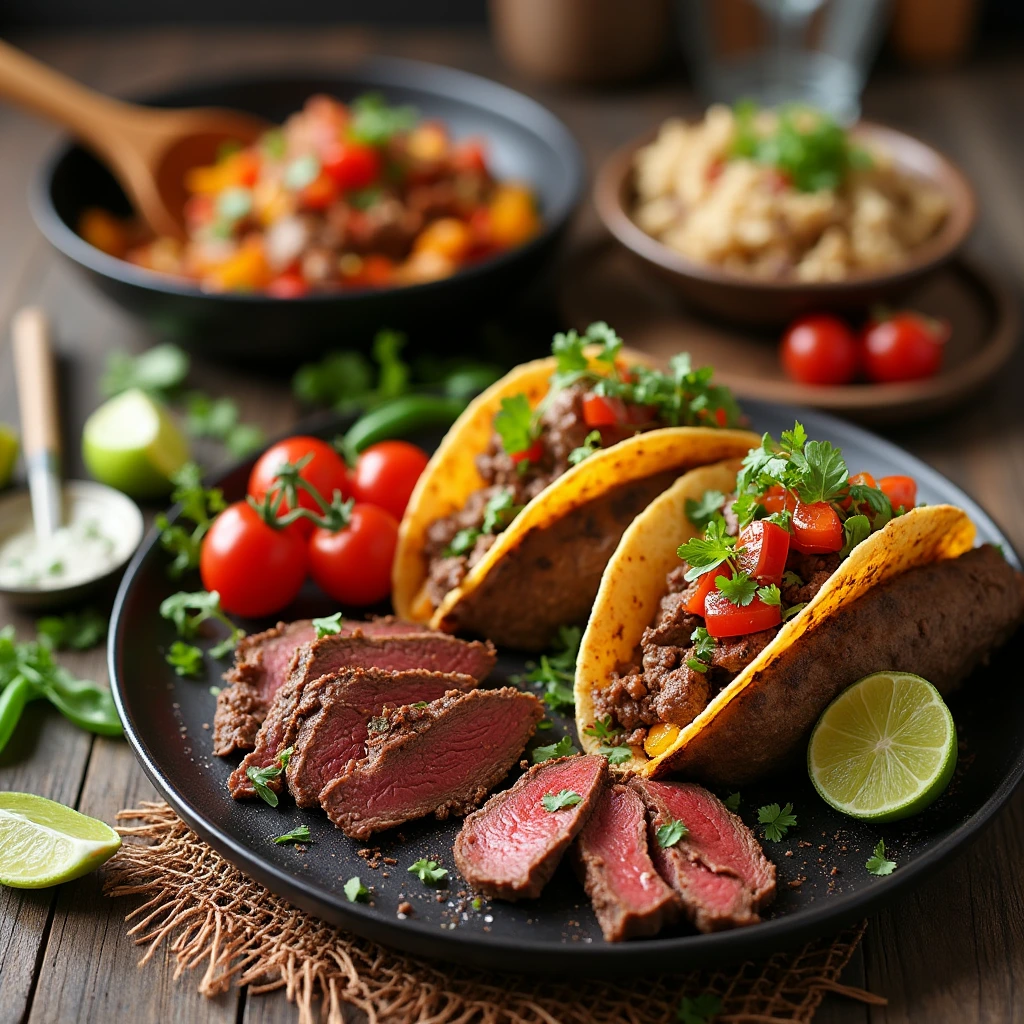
[(658, 686), (563, 428)]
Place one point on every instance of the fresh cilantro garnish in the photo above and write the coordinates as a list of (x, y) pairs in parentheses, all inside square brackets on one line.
[(355, 891), (185, 659), (671, 832), (732, 802), (514, 424), (770, 595), (259, 777), (299, 834), (189, 611), (419, 704), (705, 553), (76, 630), (571, 362), (823, 472), (704, 648), (428, 871), (477, 903), (877, 863), (616, 755), (563, 748), (328, 625), (700, 1009), (591, 444), (701, 512), (557, 671), (872, 499), (791, 579), (855, 530), (374, 122), (563, 798), (777, 821), (159, 371), (198, 504), (462, 542), (793, 609), (500, 510), (739, 589), (603, 729)]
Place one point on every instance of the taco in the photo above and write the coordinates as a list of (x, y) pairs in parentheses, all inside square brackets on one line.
[(748, 595), (512, 522)]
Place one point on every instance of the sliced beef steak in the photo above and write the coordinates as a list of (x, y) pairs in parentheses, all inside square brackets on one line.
[(630, 898), (427, 651), (509, 849), (441, 759), (331, 719), (262, 664), (718, 869)]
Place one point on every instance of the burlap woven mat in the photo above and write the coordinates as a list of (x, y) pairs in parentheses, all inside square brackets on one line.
[(213, 916)]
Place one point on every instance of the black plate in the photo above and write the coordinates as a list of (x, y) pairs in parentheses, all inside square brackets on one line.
[(166, 721), (526, 142)]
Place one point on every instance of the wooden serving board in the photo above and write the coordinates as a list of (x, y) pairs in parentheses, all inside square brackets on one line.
[(606, 282)]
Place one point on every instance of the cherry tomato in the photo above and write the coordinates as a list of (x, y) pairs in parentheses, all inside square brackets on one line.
[(288, 286), (777, 498), (351, 165), (705, 584), (900, 490), (353, 565), (767, 548), (723, 618), (819, 350), (256, 569), (600, 411), (532, 454), (386, 474), (817, 529), (907, 346), (326, 471)]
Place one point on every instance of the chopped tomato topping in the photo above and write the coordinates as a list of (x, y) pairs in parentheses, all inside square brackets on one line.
[(767, 547), (705, 584), (288, 286), (469, 157), (817, 529), (777, 498), (723, 618), (900, 490), (532, 454), (319, 193), (600, 411), (351, 165)]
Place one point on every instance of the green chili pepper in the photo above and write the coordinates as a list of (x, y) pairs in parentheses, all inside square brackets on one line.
[(400, 416), (84, 704), (13, 699)]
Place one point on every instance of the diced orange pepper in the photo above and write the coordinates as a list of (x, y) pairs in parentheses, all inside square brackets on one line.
[(427, 142), (104, 231), (513, 216), (246, 270), (448, 236), (660, 738)]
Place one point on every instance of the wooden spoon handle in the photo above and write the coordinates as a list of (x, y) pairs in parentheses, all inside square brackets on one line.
[(37, 383), (36, 87)]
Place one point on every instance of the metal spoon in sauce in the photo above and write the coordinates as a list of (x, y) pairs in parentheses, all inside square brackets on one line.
[(57, 543)]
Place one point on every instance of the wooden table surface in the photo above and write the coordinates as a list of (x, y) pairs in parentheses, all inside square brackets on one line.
[(951, 951)]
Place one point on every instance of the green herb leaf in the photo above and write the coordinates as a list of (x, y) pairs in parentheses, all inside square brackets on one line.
[(198, 504), (603, 729), (739, 589), (877, 863), (824, 473), (563, 748), (299, 834), (218, 418), (793, 609), (706, 553), (703, 650), (732, 802), (591, 444), (259, 777), (428, 871), (616, 755), (355, 891), (700, 1009), (328, 625), (700, 513), (563, 798), (341, 380), (776, 821), (855, 530), (185, 659), (514, 424), (462, 542), (770, 595), (375, 122), (500, 510), (671, 832), (557, 671), (76, 630), (790, 579), (302, 171), (188, 611), (159, 371)]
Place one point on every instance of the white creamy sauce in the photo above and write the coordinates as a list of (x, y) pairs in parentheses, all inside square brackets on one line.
[(76, 552)]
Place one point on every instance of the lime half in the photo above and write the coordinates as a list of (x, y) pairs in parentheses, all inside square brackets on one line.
[(133, 444), (884, 749), (45, 843)]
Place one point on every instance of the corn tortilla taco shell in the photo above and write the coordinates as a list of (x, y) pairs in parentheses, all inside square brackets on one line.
[(754, 723), (614, 484)]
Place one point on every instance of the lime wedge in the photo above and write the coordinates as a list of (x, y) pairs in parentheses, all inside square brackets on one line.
[(8, 453), (45, 843), (884, 749), (133, 444)]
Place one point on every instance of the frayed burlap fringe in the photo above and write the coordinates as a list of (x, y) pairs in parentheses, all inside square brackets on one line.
[(213, 916)]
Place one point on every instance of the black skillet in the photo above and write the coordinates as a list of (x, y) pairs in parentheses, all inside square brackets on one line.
[(823, 856)]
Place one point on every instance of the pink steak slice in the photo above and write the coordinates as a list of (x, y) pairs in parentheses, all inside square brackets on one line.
[(509, 849), (441, 759)]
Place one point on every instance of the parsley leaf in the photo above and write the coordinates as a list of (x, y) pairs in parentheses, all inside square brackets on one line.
[(671, 832), (770, 595), (328, 625), (159, 371), (732, 802), (499, 511), (700, 513), (563, 798), (877, 863), (700, 1009), (557, 671), (708, 552), (571, 362), (462, 542), (823, 472), (790, 579), (591, 444), (355, 891), (259, 777), (616, 755), (428, 871), (776, 821), (374, 122), (704, 648), (198, 504), (603, 729), (563, 748), (514, 424), (76, 630), (203, 605), (793, 609), (299, 834), (855, 530), (739, 589), (185, 659)]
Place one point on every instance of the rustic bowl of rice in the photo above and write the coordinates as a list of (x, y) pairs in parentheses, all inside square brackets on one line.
[(759, 216)]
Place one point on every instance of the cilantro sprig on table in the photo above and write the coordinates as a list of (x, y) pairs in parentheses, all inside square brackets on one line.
[(199, 505)]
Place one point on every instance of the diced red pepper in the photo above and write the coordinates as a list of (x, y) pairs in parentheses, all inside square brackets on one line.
[(767, 547), (777, 498), (351, 165), (532, 454), (319, 193), (817, 529), (722, 618), (469, 157), (900, 490), (601, 411), (288, 286), (705, 584)]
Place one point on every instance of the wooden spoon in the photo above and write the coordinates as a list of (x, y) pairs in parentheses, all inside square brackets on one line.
[(148, 149)]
